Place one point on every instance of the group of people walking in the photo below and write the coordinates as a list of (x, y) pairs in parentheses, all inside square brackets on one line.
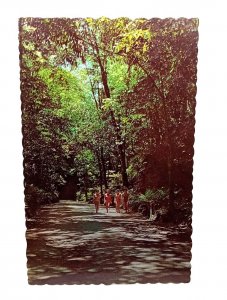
[(120, 198)]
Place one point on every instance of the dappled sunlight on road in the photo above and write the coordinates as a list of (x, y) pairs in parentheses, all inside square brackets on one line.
[(69, 244)]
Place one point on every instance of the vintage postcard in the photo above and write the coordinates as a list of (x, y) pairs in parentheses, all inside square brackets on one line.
[(108, 114)]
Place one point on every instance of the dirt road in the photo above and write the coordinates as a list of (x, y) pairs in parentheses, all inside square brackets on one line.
[(69, 244)]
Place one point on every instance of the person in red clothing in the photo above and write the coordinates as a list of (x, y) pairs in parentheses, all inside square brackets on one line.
[(107, 200), (125, 197), (118, 201), (96, 200)]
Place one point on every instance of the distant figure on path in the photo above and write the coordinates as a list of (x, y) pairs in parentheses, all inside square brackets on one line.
[(125, 196), (96, 200), (107, 200), (118, 201)]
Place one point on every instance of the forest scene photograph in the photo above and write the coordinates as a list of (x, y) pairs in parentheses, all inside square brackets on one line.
[(108, 116)]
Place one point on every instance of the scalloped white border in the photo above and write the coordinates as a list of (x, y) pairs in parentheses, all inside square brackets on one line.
[(210, 160)]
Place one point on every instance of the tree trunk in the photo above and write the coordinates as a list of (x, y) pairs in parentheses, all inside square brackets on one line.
[(171, 184), (103, 168), (86, 186), (123, 166), (100, 176), (115, 125)]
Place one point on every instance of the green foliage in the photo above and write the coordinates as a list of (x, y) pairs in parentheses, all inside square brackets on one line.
[(131, 41), (122, 77), (153, 195), (131, 173), (34, 197)]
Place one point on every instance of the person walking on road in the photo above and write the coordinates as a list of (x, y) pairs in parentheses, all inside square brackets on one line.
[(107, 200), (96, 200), (118, 201)]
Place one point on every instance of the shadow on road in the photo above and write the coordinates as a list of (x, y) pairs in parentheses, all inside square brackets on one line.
[(67, 243)]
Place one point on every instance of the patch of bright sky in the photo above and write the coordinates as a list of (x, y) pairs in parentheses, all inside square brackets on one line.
[(76, 71)]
